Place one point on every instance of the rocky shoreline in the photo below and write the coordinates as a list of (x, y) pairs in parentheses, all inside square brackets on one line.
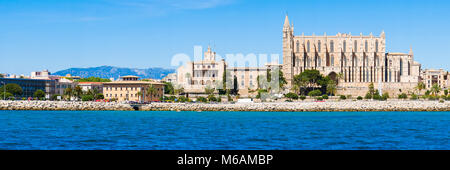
[(394, 105)]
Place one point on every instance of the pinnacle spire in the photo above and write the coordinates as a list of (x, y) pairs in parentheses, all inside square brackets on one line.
[(411, 53), (286, 21)]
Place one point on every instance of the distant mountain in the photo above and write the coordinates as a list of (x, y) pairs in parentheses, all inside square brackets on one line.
[(115, 72)]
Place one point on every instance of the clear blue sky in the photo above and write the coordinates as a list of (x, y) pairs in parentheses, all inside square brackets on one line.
[(59, 34)]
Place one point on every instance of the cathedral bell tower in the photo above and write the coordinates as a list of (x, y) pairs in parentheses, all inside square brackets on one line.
[(288, 52)]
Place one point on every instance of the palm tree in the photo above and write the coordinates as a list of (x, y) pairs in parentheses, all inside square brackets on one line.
[(78, 91), (295, 88), (435, 89), (68, 92), (420, 86), (331, 87), (140, 93), (150, 91)]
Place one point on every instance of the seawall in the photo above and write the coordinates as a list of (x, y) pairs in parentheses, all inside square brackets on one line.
[(394, 105)]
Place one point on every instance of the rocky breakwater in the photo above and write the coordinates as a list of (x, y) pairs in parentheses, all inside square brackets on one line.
[(395, 105), (62, 105), (392, 105)]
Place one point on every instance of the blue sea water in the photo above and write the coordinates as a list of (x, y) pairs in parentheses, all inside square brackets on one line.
[(124, 130)]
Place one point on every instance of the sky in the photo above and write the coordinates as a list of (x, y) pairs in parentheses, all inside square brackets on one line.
[(61, 34)]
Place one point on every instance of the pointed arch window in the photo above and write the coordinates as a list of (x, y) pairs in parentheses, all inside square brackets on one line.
[(298, 46), (332, 60), (401, 66), (318, 46), (319, 61), (331, 46), (356, 46), (409, 68), (376, 46), (308, 46), (345, 46), (366, 46)]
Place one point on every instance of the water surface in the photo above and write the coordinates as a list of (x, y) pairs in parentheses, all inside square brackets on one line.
[(223, 130)]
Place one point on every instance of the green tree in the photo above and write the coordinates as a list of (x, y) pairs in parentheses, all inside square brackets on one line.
[(12, 88), (371, 89), (39, 94), (168, 88), (435, 89), (293, 96), (141, 96), (78, 91), (68, 92), (151, 90), (310, 79), (420, 86), (209, 90), (331, 87), (87, 97), (315, 93)]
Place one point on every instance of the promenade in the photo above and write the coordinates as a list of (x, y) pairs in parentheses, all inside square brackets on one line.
[(390, 105)]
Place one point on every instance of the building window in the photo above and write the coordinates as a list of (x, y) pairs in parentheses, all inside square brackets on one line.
[(331, 46), (366, 46), (308, 47), (401, 66), (319, 61), (356, 46), (376, 46), (332, 60), (298, 46), (318, 45), (345, 46)]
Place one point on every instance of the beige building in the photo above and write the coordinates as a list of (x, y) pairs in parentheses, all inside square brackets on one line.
[(433, 76), (86, 86), (130, 88), (360, 59), (195, 76)]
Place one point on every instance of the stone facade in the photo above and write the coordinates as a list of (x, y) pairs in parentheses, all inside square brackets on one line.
[(433, 76), (128, 89), (354, 61)]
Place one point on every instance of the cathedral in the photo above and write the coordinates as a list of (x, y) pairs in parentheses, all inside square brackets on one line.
[(353, 61)]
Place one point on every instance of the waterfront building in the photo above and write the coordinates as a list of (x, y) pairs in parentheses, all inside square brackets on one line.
[(358, 60), (45, 74), (130, 88), (86, 86), (171, 78), (29, 86), (435, 76), (196, 76)]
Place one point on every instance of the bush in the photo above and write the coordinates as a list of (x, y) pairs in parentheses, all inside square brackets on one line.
[(319, 98), (376, 96), (258, 96), (448, 97), (359, 98), (414, 97), (403, 96), (446, 92), (219, 98), (427, 93), (315, 93), (368, 96), (39, 93), (325, 96), (291, 96), (302, 97), (211, 98), (431, 97), (201, 99), (182, 99), (229, 98), (385, 96), (7, 95), (55, 97), (342, 97), (87, 98)]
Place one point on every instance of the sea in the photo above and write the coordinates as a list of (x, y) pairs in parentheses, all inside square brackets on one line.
[(190, 130)]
